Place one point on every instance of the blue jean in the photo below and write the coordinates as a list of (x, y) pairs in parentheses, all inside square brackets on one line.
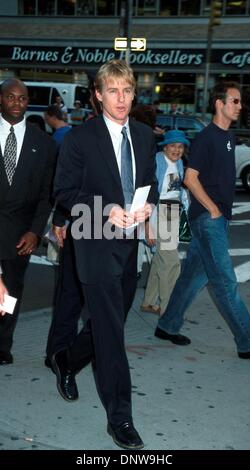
[(208, 261)]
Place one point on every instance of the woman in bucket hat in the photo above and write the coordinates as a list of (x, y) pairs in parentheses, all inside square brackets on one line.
[(165, 267)]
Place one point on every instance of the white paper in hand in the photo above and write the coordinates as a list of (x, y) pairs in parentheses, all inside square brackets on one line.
[(140, 198), (139, 201), (9, 304)]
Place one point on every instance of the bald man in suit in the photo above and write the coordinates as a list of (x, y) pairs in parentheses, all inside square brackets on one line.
[(27, 158)]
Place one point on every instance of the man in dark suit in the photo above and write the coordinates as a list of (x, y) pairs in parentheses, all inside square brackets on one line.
[(100, 165), (26, 170), (68, 298)]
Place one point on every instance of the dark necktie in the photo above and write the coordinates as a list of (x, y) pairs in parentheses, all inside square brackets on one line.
[(9, 156), (126, 168)]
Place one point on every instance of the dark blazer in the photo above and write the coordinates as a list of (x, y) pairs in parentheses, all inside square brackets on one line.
[(87, 167), (25, 205)]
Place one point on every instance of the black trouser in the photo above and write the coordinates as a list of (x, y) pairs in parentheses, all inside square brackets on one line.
[(13, 277), (68, 302), (102, 338)]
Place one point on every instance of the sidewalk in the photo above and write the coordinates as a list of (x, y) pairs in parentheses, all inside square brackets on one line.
[(192, 397)]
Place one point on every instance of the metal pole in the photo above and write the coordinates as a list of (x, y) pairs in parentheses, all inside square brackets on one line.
[(129, 28), (207, 70)]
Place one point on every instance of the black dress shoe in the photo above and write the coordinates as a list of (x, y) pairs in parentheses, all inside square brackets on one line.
[(66, 383), (244, 355), (125, 436), (176, 339), (5, 358)]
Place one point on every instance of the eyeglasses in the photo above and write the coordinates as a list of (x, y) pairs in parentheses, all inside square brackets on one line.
[(235, 100)]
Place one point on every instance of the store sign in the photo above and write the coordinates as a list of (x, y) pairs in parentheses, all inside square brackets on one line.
[(237, 59), (75, 56), (87, 56)]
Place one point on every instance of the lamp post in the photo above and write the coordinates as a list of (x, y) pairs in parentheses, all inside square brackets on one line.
[(125, 26), (214, 20), (207, 70)]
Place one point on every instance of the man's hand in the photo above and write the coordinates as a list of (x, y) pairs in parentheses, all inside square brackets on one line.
[(27, 243), (158, 130), (120, 218), (60, 234), (143, 214), (215, 213)]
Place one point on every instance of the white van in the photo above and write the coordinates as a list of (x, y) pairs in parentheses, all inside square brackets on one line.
[(242, 163), (43, 94)]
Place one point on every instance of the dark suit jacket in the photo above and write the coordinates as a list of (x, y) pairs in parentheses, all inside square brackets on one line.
[(87, 167), (25, 206)]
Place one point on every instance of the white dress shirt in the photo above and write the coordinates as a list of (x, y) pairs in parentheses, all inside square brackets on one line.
[(115, 131), (19, 130)]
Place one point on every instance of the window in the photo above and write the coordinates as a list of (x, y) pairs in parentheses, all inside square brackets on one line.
[(168, 7), (190, 7), (46, 7), (176, 88), (235, 7), (140, 7), (66, 7), (105, 8), (27, 7), (54, 94), (147, 7), (82, 94), (206, 7), (85, 7), (38, 95)]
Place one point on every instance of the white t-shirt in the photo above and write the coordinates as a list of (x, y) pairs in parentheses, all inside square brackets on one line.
[(171, 186)]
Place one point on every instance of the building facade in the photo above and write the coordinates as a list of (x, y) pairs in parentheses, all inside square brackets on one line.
[(67, 40)]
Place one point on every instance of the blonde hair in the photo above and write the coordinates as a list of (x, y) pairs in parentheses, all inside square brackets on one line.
[(114, 69)]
